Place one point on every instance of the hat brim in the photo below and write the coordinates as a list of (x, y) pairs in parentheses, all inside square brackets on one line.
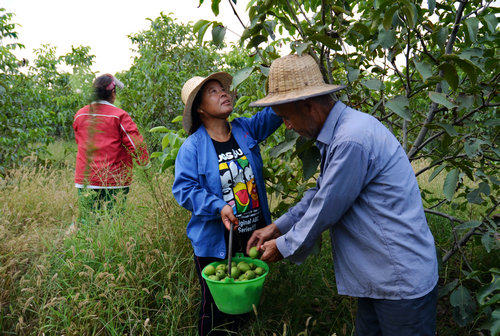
[(223, 77), (118, 83), (292, 96)]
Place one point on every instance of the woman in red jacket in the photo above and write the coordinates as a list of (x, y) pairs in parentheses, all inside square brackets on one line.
[(108, 142)]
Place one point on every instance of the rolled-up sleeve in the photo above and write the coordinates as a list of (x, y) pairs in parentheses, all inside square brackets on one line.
[(338, 186)]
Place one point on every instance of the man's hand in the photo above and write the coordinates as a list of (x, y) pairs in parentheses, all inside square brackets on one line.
[(227, 216), (271, 252), (260, 236)]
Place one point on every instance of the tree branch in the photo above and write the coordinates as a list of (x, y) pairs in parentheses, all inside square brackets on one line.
[(302, 11), (439, 162), (236, 13), (432, 111), (441, 214), (479, 10), (244, 27)]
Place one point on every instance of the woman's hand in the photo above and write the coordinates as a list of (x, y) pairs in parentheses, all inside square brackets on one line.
[(227, 216)]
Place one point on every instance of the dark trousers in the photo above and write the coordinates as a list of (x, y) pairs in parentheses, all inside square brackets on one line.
[(416, 317), (212, 321), (95, 201)]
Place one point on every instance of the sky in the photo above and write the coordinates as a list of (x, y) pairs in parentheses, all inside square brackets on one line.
[(103, 25)]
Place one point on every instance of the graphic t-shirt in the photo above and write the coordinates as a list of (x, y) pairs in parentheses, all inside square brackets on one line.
[(239, 190)]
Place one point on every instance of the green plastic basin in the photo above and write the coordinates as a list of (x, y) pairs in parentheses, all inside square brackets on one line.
[(237, 297)]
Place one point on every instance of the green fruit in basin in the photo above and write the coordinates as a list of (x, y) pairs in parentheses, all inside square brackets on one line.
[(209, 270)]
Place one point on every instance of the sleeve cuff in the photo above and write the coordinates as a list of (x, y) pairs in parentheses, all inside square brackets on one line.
[(281, 244)]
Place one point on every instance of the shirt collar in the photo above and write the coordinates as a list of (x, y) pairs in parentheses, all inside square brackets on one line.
[(104, 102), (326, 133)]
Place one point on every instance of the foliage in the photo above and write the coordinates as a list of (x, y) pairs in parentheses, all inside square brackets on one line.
[(430, 72), (37, 102), (167, 56)]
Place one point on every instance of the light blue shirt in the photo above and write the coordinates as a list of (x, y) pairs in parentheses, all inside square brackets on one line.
[(368, 197)]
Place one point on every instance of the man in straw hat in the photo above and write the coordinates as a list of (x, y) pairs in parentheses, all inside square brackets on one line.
[(366, 195)]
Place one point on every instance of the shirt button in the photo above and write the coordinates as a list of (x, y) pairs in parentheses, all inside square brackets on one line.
[(222, 254)]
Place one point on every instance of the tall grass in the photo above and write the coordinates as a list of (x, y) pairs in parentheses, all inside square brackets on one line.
[(132, 273)]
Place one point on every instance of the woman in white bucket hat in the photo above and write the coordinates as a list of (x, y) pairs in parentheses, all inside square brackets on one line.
[(218, 177)]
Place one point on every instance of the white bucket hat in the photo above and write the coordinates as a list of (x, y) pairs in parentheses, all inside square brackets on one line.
[(191, 88), (293, 78)]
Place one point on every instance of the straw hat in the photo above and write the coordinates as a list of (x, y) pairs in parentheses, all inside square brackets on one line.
[(190, 90), (293, 78)]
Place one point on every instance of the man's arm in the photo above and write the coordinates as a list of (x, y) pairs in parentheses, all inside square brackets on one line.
[(339, 187)]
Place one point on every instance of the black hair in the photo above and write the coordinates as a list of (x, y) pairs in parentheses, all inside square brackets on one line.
[(195, 116), (99, 86)]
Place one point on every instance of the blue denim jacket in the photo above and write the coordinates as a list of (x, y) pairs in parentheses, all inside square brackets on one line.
[(197, 186), (367, 196)]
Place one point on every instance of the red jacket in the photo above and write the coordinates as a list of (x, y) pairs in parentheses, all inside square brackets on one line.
[(107, 140)]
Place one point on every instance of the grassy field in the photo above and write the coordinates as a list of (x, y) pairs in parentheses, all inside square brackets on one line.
[(132, 273)]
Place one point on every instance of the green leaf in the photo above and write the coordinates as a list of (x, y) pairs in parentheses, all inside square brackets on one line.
[(491, 22), (469, 68), (484, 294), (281, 148), (159, 129), (448, 128), (373, 84), (165, 141), (450, 184), (450, 74), (202, 31), (352, 74), (410, 13), (464, 101), (461, 299), (177, 119), (472, 27), (495, 322), (242, 100), (300, 47), (432, 5), (199, 24), (256, 40), (489, 241), (218, 33), (436, 172), (327, 41), (311, 158), (424, 69), (468, 225), (388, 17), (441, 36), (399, 105), (386, 38), (472, 147), (215, 7), (264, 70), (361, 29), (448, 288), (240, 76), (440, 98), (156, 155)]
